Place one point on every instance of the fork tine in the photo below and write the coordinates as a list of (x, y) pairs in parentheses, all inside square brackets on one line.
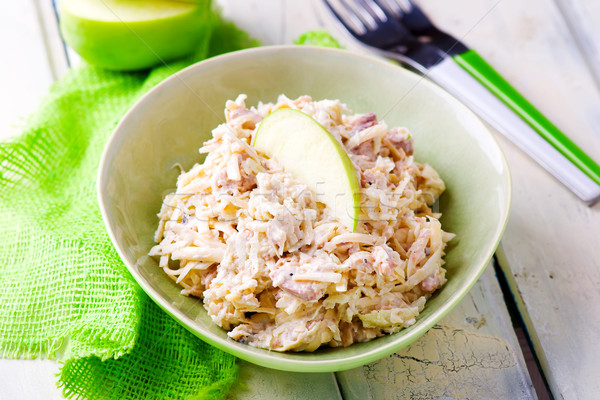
[(392, 9), (362, 12), (405, 5), (374, 9), (388, 35), (347, 17)]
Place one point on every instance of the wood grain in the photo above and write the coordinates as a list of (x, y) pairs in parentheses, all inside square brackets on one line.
[(472, 353), (25, 76), (582, 18), (24, 72), (258, 383)]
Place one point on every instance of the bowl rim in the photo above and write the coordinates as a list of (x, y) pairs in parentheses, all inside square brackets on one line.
[(272, 359)]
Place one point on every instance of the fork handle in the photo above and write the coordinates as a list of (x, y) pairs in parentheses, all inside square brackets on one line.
[(488, 77), (468, 77)]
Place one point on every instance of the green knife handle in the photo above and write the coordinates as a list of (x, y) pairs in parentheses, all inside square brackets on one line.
[(477, 67)]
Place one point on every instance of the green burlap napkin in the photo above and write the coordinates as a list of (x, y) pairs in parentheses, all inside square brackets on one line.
[(64, 292), (318, 38)]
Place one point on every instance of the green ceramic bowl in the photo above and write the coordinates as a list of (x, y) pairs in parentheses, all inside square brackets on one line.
[(171, 122)]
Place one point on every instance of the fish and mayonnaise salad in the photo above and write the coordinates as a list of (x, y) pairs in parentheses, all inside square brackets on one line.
[(273, 266)]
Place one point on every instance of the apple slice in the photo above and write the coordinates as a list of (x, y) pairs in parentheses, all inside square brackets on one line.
[(134, 34), (311, 154)]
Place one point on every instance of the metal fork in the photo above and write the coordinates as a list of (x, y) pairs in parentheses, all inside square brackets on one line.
[(398, 29)]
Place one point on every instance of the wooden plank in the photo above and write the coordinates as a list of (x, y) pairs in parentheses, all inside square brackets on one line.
[(532, 47), (262, 19), (472, 353), (24, 75), (288, 19), (551, 251), (29, 379), (259, 383), (24, 79), (582, 16)]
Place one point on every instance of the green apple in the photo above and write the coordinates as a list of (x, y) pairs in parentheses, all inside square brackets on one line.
[(134, 34), (314, 157)]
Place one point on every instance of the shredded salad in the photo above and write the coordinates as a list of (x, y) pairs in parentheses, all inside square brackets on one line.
[(273, 266)]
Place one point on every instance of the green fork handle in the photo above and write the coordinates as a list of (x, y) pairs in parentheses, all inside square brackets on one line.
[(477, 67)]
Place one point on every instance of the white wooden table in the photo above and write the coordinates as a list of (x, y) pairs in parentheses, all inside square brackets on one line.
[(550, 51)]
